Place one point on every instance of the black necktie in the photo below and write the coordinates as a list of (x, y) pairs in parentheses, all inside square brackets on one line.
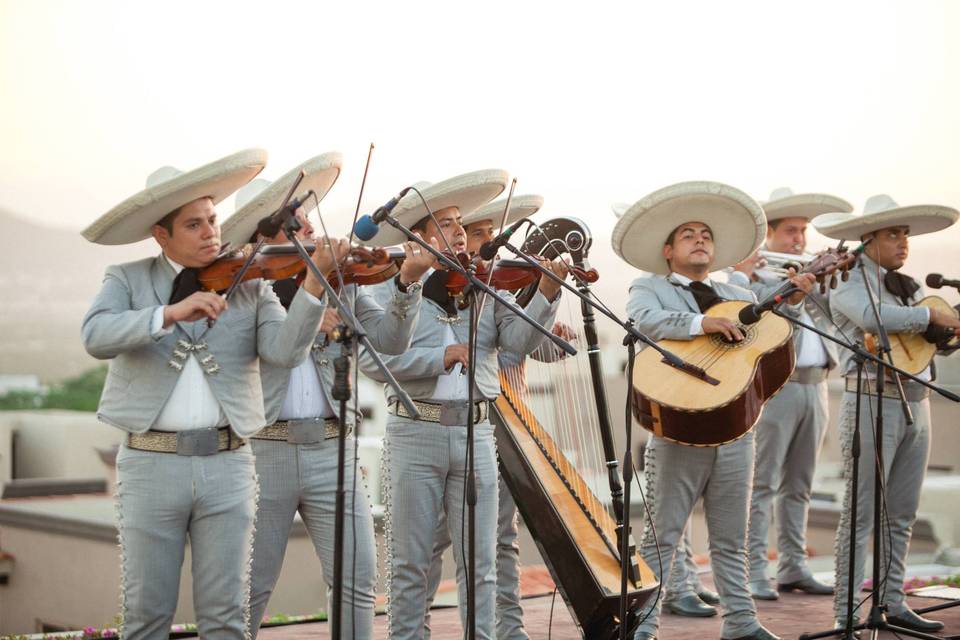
[(900, 285), (435, 288), (704, 294), (185, 284), (285, 290)]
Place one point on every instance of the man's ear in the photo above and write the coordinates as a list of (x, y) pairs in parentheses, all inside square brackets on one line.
[(161, 235), (667, 252)]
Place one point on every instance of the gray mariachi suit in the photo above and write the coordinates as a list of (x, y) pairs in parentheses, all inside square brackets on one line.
[(163, 497), (303, 477), (678, 475), (789, 435), (905, 449), (424, 461)]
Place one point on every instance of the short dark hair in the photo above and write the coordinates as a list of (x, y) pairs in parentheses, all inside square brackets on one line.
[(167, 221), (673, 234), (421, 225), (773, 224)]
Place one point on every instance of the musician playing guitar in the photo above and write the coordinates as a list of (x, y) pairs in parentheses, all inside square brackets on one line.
[(693, 228), (906, 448), (790, 431)]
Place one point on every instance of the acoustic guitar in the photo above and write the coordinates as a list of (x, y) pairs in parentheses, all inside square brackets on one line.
[(912, 352), (723, 405)]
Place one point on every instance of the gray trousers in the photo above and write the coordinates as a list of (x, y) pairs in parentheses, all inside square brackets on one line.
[(509, 615), (683, 578), (424, 476), (721, 475), (789, 434), (162, 498), (303, 477), (906, 450)]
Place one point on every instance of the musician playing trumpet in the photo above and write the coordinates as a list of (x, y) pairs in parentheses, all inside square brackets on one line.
[(905, 448), (791, 428), (719, 226)]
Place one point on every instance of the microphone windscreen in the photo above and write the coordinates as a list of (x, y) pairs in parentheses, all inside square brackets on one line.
[(749, 314), (934, 280), (365, 228), (488, 250)]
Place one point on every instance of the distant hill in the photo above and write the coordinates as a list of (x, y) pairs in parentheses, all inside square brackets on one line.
[(48, 277)]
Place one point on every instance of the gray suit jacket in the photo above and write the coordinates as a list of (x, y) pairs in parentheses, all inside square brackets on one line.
[(852, 311), (389, 328), (662, 309), (140, 378), (417, 368)]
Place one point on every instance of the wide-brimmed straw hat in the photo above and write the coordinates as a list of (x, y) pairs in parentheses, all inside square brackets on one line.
[(168, 189), (521, 207), (260, 198), (468, 192), (784, 203), (882, 212), (736, 220)]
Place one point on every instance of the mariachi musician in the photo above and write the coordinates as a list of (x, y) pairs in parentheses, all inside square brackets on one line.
[(906, 448), (694, 228), (424, 460), (188, 394), (791, 428), (296, 453)]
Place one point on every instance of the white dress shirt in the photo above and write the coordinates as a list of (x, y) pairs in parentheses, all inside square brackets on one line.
[(696, 326), (451, 386)]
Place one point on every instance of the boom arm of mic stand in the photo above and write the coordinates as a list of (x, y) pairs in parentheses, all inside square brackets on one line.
[(453, 265), (669, 357), (348, 319), (866, 355)]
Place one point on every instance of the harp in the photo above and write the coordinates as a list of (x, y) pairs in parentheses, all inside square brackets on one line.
[(557, 457)]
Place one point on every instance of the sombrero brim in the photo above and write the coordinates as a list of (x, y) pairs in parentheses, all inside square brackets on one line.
[(321, 172), (467, 192), (521, 207), (131, 220), (805, 205), (735, 218), (924, 218)]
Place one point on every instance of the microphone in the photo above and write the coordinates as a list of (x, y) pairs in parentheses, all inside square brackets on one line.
[(270, 226), (489, 249), (368, 226), (935, 281), (751, 313)]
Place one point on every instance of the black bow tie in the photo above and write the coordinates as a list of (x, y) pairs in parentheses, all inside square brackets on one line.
[(185, 284), (435, 288), (900, 285), (704, 294)]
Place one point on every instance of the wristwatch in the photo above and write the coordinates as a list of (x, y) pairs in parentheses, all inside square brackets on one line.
[(413, 287)]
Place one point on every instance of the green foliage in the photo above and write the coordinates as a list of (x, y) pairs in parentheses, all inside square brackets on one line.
[(80, 393)]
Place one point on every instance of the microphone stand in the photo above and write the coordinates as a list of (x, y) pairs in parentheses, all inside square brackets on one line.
[(350, 330), (876, 620)]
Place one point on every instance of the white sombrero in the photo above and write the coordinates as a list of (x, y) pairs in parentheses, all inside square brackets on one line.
[(735, 218), (260, 198), (467, 192), (784, 203), (520, 207), (881, 212), (168, 189)]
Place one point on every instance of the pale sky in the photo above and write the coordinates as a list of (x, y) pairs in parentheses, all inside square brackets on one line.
[(585, 103)]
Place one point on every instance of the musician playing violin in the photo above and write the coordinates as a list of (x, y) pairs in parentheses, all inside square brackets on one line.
[(424, 460), (906, 447), (188, 395), (792, 426), (718, 227), (296, 453)]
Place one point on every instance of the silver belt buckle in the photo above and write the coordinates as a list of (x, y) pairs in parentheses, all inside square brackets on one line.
[(306, 431), (453, 415), (198, 442)]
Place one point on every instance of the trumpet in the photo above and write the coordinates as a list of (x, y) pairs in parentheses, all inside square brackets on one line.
[(779, 263)]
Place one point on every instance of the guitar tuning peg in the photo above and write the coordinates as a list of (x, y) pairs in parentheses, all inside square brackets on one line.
[(823, 288), (833, 281), (846, 275)]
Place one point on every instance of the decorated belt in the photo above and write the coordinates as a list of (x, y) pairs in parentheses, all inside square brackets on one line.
[(809, 375), (451, 415), (912, 392), (307, 431), (193, 442)]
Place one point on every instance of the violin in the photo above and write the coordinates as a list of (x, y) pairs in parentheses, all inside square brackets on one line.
[(508, 274)]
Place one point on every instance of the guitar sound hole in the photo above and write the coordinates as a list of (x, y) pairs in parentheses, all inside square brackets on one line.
[(749, 337)]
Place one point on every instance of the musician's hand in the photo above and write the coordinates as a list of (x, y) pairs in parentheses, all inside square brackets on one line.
[(548, 287), (330, 321), (201, 304), (564, 331), (326, 262), (938, 318), (804, 281), (417, 261), (456, 353), (751, 264), (722, 325)]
